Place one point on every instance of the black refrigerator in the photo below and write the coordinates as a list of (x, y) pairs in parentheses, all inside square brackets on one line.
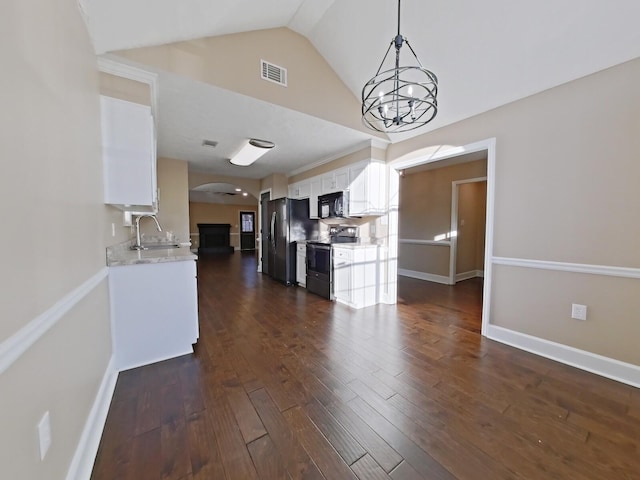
[(288, 223)]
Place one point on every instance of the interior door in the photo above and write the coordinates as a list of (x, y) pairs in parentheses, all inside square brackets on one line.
[(247, 230)]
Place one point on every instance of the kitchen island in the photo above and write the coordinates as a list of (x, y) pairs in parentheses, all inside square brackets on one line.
[(154, 304)]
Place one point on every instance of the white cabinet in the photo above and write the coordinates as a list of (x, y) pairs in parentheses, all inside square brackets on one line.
[(315, 189), (367, 188), (300, 190), (335, 181), (355, 275), (129, 155), (154, 311), (301, 264), (342, 275)]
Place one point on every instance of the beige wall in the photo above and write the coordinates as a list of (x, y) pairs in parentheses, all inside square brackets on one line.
[(124, 89), (471, 226), (566, 188), (54, 227), (218, 213), (425, 213), (240, 54), (173, 205), (278, 184), (367, 153)]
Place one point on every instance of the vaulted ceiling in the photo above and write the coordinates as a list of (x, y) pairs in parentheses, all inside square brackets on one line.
[(485, 54)]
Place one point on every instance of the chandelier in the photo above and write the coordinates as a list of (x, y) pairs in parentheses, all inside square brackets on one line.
[(401, 98)]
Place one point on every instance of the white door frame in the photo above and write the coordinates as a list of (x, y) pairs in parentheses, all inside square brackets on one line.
[(435, 154), (453, 244)]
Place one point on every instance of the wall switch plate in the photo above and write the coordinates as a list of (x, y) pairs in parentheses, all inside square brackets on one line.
[(44, 434), (578, 312), (113, 229)]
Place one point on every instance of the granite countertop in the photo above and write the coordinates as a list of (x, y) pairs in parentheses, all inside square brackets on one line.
[(120, 255), (353, 246)]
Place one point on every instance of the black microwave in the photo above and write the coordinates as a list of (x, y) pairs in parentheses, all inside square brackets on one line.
[(333, 205)]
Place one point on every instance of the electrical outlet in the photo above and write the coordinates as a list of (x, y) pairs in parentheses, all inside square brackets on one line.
[(44, 434), (578, 312)]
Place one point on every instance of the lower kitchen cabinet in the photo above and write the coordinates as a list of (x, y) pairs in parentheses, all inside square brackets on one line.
[(355, 275), (154, 311), (301, 264)]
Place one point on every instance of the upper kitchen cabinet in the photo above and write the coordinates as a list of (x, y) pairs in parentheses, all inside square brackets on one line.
[(300, 190), (335, 181), (315, 190), (129, 155), (367, 188)]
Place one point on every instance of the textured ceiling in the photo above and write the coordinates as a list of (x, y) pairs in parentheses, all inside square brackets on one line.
[(485, 53)]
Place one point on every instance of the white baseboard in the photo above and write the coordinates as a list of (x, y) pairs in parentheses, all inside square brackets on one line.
[(87, 449), (470, 274), (423, 276), (591, 362)]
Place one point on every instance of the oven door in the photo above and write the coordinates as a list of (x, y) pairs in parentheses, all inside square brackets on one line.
[(319, 269)]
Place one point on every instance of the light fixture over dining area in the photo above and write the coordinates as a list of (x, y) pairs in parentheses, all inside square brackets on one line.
[(251, 150), (400, 98)]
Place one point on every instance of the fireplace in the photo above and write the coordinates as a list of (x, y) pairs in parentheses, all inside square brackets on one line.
[(214, 238)]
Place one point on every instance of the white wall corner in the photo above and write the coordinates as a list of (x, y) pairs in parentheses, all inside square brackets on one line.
[(87, 449)]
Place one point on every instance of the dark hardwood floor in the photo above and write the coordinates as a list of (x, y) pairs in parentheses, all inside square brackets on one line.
[(285, 384)]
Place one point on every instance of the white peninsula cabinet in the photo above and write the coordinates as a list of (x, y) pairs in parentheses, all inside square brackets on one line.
[(129, 155), (154, 311), (301, 264), (355, 275)]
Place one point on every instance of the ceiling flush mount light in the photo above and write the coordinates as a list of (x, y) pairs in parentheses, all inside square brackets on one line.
[(401, 98), (252, 150)]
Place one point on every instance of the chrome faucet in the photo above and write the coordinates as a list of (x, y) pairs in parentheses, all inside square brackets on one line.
[(138, 245)]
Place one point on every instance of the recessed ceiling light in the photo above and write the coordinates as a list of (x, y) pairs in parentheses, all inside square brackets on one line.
[(238, 189), (245, 194), (251, 150)]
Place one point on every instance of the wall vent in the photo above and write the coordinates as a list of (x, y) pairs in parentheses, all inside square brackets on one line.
[(273, 73)]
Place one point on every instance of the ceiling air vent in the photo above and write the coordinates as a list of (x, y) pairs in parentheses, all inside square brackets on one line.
[(273, 73)]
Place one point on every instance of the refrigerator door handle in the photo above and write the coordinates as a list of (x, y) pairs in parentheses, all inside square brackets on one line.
[(273, 229)]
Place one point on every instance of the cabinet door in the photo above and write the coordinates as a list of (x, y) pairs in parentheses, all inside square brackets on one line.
[(301, 268), (342, 179), (155, 312), (304, 189), (315, 187), (128, 147), (342, 276), (293, 191), (328, 183), (358, 190)]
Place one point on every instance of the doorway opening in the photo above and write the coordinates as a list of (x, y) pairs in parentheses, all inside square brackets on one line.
[(445, 240)]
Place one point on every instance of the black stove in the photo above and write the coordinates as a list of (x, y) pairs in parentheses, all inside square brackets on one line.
[(319, 262)]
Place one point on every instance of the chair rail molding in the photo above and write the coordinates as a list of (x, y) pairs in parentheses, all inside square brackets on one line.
[(611, 271), (13, 347)]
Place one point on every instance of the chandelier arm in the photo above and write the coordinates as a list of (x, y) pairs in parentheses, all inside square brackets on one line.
[(384, 58)]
